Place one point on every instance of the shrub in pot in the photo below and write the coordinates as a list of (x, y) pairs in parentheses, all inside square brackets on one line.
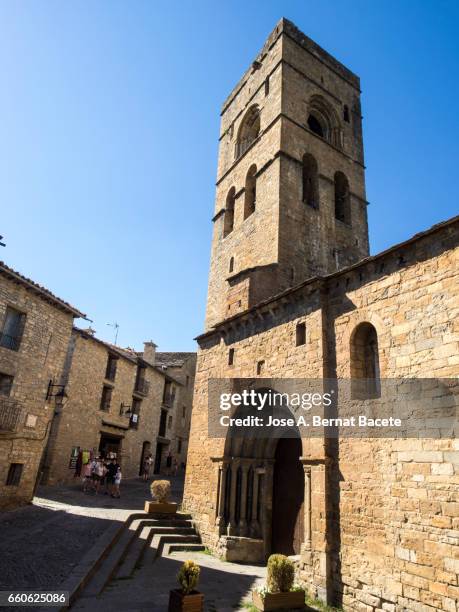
[(187, 598), (279, 592), (160, 492)]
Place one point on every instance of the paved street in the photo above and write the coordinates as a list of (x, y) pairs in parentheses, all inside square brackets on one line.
[(41, 543), (225, 585)]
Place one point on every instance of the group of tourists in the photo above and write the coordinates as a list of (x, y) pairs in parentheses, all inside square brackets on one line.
[(102, 474)]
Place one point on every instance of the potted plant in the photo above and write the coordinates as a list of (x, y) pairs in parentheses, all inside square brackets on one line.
[(279, 591), (187, 599), (160, 492)]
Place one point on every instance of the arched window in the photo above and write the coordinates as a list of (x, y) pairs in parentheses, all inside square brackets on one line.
[(310, 181), (250, 191), (228, 222), (365, 373), (248, 130), (324, 121), (231, 264), (316, 125), (342, 198)]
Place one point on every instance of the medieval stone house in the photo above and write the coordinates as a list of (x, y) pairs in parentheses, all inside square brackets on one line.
[(293, 293), (35, 328), (121, 403)]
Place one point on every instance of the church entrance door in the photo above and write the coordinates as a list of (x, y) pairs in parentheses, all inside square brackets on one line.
[(288, 498)]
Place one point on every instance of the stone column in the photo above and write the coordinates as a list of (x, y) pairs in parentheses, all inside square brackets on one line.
[(243, 516), (220, 518), (267, 506), (255, 525), (307, 507), (232, 527)]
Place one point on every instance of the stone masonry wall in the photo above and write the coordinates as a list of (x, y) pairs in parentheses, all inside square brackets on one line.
[(40, 358), (396, 512), (82, 421)]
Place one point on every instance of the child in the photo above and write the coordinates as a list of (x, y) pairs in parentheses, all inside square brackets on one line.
[(116, 486)]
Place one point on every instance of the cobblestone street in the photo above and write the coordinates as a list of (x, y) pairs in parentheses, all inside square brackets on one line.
[(41, 543)]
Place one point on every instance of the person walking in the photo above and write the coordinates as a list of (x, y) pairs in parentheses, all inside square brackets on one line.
[(116, 486), (99, 472), (147, 467), (112, 469)]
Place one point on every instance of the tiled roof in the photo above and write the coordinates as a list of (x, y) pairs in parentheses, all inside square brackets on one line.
[(171, 360), (39, 290)]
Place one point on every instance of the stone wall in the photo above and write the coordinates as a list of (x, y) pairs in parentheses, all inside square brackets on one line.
[(38, 361), (384, 513)]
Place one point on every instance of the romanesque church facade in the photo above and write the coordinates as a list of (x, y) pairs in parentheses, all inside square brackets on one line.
[(293, 293)]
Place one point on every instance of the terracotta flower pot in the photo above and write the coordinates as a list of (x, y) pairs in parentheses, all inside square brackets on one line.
[(279, 601), (154, 507), (178, 602)]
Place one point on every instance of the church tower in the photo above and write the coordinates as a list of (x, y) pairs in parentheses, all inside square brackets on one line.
[(290, 197)]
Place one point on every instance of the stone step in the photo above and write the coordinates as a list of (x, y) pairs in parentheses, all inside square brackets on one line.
[(110, 563), (134, 554), (171, 548), (159, 541), (136, 550)]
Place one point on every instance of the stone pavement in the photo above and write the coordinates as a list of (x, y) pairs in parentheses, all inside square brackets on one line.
[(42, 542), (226, 586)]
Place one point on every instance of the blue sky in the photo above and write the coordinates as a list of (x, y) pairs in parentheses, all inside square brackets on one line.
[(109, 116)]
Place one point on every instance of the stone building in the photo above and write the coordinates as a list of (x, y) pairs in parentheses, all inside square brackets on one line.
[(35, 328), (293, 293), (182, 367), (118, 401)]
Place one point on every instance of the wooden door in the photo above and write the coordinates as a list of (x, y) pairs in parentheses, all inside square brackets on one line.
[(288, 498)]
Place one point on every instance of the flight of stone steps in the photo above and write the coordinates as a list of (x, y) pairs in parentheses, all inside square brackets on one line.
[(142, 536)]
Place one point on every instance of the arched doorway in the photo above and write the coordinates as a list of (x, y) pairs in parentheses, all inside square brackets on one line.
[(288, 498)]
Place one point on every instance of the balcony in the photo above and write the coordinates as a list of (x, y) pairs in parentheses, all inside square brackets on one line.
[(10, 414), (142, 387)]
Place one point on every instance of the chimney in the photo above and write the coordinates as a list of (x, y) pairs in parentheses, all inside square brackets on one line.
[(149, 352)]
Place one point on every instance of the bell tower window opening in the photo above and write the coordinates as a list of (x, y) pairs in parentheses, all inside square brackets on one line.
[(316, 126), (249, 130), (342, 198), (310, 181), (250, 191), (228, 223), (324, 121)]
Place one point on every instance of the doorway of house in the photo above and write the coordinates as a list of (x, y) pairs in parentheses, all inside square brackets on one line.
[(158, 457), (288, 498), (110, 444), (146, 446)]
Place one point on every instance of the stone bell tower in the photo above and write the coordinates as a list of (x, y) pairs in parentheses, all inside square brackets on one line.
[(290, 198)]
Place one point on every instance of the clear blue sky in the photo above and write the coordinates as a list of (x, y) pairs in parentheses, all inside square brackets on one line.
[(109, 116)]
